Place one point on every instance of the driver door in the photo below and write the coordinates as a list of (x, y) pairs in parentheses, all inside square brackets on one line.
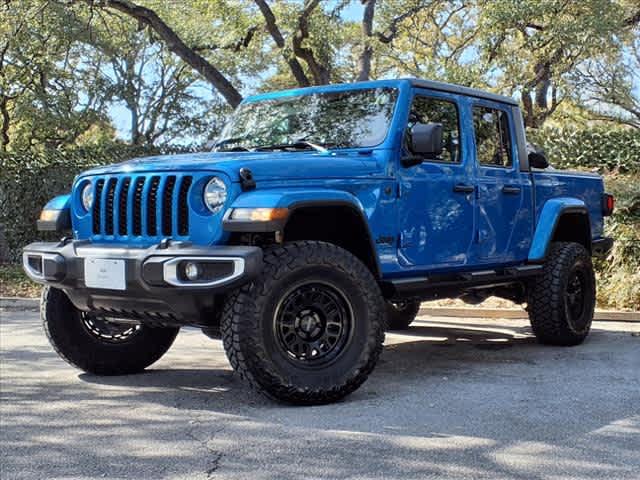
[(437, 197)]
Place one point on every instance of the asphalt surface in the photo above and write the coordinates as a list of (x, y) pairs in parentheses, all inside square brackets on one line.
[(451, 399)]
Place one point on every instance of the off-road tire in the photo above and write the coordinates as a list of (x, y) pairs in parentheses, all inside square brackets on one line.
[(75, 344), (401, 315), (549, 300), (212, 332), (250, 313)]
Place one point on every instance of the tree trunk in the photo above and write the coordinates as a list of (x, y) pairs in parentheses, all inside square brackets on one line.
[(364, 63), (135, 127), (320, 73), (543, 74), (272, 27), (150, 18), (528, 113), (4, 131)]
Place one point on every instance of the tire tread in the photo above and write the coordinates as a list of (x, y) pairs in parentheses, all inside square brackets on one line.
[(239, 326), (57, 314), (546, 296)]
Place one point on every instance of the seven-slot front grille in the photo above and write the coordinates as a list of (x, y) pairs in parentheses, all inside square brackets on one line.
[(152, 205)]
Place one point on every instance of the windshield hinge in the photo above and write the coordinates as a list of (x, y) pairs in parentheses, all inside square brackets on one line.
[(246, 179)]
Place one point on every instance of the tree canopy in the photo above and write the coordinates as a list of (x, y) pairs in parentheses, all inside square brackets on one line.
[(174, 69)]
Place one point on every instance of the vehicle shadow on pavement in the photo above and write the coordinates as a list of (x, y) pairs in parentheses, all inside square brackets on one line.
[(444, 401), (425, 351)]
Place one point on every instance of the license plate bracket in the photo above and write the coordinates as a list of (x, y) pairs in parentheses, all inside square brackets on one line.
[(105, 273)]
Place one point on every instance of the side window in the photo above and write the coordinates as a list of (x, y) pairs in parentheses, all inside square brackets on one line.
[(493, 140), (433, 110)]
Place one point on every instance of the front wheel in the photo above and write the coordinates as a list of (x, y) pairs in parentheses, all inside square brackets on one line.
[(562, 299), (97, 344), (309, 329)]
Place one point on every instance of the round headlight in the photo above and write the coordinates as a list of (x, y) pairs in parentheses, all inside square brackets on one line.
[(87, 196), (215, 194)]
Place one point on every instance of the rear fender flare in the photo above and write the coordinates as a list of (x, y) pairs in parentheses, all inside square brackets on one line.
[(548, 222)]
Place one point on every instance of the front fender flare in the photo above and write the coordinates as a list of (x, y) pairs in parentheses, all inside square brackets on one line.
[(551, 213), (291, 198), (58, 211)]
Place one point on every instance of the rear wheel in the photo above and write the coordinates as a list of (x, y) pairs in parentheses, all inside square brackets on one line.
[(562, 299), (98, 344), (401, 314), (309, 329)]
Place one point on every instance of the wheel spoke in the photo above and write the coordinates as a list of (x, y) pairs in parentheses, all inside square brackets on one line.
[(312, 324), (109, 330)]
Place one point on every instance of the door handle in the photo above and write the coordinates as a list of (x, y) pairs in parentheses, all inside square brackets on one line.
[(462, 188), (511, 190)]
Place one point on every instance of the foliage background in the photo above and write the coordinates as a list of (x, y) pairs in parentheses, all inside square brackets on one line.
[(92, 82), (29, 179)]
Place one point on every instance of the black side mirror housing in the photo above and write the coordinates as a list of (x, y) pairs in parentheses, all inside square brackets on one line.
[(425, 143), (537, 158), (426, 139)]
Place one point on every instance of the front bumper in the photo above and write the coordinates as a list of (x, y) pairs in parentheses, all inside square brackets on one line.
[(155, 287)]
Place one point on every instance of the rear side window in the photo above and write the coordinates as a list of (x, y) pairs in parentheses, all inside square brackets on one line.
[(493, 141), (433, 110)]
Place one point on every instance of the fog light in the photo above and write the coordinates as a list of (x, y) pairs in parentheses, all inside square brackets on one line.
[(192, 271)]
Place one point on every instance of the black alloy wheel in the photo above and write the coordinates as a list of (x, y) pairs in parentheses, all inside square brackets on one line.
[(313, 324), (109, 330)]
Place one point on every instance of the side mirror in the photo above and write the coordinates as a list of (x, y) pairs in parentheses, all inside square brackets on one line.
[(425, 143), (537, 158), (426, 139)]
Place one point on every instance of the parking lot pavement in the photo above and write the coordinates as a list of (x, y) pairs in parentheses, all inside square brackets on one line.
[(450, 399)]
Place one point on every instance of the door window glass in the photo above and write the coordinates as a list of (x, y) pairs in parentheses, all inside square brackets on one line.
[(433, 110), (493, 142)]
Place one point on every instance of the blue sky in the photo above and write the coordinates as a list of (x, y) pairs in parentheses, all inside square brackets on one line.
[(121, 117)]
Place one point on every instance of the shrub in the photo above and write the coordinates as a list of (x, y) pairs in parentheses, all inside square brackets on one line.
[(29, 179), (619, 273), (604, 150)]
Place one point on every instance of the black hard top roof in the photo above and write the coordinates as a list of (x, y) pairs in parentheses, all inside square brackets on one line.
[(459, 89)]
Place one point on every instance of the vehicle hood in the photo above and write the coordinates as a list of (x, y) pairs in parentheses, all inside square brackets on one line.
[(264, 165)]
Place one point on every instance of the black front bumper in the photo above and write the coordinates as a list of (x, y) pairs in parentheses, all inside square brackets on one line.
[(154, 290)]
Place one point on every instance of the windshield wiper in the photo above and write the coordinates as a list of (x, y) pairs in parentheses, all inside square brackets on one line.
[(300, 144), (217, 147)]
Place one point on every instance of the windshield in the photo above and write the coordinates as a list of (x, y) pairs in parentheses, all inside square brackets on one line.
[(353, 118)]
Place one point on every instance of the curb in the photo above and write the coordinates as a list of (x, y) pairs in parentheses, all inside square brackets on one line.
[(519, 313), (17, 303)]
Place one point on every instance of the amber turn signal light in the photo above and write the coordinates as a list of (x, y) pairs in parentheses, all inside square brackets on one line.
[(259, 214)]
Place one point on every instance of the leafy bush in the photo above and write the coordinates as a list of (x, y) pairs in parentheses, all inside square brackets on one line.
[(598, 149), (619, 273), (29, 179), (615, 153)]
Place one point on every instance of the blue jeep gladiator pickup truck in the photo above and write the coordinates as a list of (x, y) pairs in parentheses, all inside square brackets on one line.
[(323, 216)]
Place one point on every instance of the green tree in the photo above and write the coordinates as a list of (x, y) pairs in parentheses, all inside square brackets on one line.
[(530, 49), (534, 48), (48, 94), (607, 86), (159, 91)]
